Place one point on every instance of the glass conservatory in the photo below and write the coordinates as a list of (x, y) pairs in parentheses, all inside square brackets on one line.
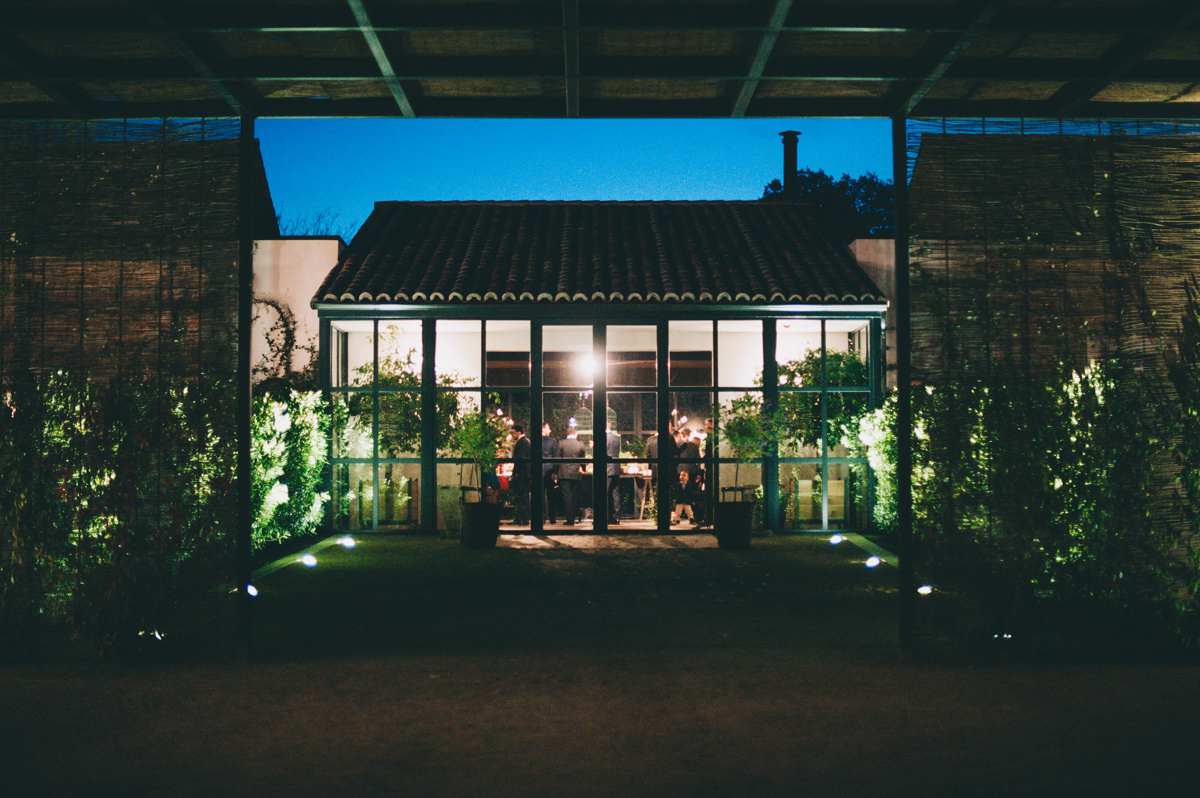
[(750, 396)]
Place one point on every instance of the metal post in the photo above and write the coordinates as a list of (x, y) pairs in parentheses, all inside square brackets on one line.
[(429, 507), (245, 301), (600, 515), (662, 496), (770, 405), (537, 479), (904, 419)]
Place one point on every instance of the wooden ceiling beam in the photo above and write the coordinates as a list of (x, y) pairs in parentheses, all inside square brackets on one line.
[(906, 96), (766, 45), (190, 54), (570, 19), (232, 70), (1124, 57), (381, 57), (335, 17), (15, 58)]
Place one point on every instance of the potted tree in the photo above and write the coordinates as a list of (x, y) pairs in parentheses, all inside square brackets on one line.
[(476, 437), (745, 428)]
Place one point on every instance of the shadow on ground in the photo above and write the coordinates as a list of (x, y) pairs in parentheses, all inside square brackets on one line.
[(651, 668), (409, 594)]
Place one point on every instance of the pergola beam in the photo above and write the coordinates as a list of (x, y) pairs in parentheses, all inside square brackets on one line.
[(13, 57), (381, 57), (865, 17), (908, 97), (1125, 56), (189, 54), (570, 14), (766, 45), (732, 68)]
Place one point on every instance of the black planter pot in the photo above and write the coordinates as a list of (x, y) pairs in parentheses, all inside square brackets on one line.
[(480, 525), (731, 524)]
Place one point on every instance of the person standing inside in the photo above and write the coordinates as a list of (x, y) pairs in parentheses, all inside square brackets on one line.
[(520, 483), (570, 474), (551, 498), (614, 475)]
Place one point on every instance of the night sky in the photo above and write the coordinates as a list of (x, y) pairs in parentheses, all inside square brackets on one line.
[(346, 165)]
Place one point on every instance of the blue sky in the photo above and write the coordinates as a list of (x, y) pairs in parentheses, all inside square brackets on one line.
[(346, 165)]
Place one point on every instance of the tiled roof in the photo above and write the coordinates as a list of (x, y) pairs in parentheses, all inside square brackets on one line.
[(661, 252)]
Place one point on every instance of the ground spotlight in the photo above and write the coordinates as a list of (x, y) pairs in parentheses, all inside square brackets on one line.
[(925, 590), (836, 539), (309, 560), (873, 561), (348, 542), (252, 590)]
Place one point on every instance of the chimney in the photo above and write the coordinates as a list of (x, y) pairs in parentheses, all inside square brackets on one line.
[(790, 137)]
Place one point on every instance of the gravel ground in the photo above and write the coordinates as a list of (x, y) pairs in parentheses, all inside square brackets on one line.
[(590, 667)]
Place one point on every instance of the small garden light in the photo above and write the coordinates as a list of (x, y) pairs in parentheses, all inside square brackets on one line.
[(252, 590), (873, 561), (347, 542), (925, 590), (309, 560), (835, 539)]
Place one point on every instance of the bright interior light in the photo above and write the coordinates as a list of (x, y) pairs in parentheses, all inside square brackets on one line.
[(309, 560), (925, 590), (348, 542), (683, 419), (836, 539), (873, 561), (252, 590)]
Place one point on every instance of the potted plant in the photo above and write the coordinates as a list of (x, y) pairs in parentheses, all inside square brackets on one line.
[(745, 428), (476, 437)]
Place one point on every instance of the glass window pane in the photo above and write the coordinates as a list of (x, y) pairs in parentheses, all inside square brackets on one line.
[(399, 423), (691, 361), (633, 415), (400, 354), (507, 353), (355, 361), (567, 356), (800, 495), (798, 352), (739, 352), (353, 496), (799, 429), (399, 495), (562, 409), (353, 425), (632, 358), (847, 342), (458, 346), (844, 411)]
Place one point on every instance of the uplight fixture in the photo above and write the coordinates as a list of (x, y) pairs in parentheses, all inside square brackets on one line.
[(873, 562), (925, 590), (347, 542), (309, 560), (836, 539), (252, 590)]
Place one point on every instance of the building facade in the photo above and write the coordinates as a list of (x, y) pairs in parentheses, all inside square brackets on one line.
[(646, 317)]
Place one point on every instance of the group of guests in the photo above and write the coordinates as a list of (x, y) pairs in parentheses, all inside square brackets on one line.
[(690, 491), (561, 482)]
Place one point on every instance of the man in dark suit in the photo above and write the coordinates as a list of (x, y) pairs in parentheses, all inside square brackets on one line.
[(614, 475), (520, 482), (551, 498), (569, 474)]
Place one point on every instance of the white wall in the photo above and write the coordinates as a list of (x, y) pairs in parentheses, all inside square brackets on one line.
[(877, 257), (289, 271)]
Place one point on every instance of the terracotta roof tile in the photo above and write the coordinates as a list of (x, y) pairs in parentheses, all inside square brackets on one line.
[(664, 252)]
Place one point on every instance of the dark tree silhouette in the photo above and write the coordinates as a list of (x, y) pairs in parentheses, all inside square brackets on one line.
[(853, 207)]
